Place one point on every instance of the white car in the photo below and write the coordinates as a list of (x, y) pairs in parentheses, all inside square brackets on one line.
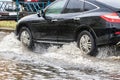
[(8, 10)]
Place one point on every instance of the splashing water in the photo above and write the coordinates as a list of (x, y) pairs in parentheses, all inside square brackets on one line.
[(67, 58), (10, 43), (107, 51)]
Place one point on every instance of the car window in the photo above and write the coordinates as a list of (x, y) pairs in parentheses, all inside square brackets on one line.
[(74, 6), (56, 8), (89, 6), (112, 3)]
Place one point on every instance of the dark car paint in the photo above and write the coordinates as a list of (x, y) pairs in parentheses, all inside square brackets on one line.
[(48, 29)]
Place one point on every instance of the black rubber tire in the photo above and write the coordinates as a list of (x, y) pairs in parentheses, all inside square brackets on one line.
[(31, 44), (93, 50)]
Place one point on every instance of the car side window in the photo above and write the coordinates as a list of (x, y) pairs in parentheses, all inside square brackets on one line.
[(74, 6), (56, 8), (89, 6)]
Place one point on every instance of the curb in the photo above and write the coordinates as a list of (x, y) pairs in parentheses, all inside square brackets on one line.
[(7, 29)]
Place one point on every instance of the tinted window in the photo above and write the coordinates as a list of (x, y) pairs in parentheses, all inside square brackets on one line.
[(89, 6), (113, 3), (56, 8), (74, 6)]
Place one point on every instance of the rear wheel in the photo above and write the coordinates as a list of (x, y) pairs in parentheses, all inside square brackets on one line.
[(25, 37), (86, 43)]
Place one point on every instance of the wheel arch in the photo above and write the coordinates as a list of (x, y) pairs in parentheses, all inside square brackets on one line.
[(87, 28), (19, 26)]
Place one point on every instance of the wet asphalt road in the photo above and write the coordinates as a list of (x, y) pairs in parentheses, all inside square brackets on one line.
[(54, 62)]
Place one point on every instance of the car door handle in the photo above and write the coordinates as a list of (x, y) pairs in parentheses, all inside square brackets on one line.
[(77, 19), (54, 20)]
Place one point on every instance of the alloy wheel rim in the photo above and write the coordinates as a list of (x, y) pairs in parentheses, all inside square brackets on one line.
[(25, 38), (85, 44)]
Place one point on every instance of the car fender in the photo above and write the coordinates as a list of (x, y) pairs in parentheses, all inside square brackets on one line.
[(85, 27)]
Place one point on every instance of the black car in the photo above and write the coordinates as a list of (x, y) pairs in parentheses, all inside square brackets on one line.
[(90, 23)]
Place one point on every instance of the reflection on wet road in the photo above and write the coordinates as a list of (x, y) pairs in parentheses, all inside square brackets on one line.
[(54, 62)]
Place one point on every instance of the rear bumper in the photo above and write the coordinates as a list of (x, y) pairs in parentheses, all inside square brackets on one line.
[(114, 40), (115, 33)]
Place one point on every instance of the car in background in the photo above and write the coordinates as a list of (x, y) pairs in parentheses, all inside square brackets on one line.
[(8, 10), (90, 23)]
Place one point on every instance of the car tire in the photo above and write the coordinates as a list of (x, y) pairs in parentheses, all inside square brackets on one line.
[(25, 37), (86, 43)]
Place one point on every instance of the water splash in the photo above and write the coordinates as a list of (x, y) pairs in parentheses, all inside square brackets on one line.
[(106, 51), (64, 57), (10, 43)]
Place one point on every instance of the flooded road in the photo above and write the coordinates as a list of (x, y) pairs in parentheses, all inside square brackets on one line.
[(54, 62)]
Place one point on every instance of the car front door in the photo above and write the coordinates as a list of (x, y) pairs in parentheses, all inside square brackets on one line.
[(47, 28)]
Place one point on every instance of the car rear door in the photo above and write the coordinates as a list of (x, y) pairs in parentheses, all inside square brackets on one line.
[(68, 22)]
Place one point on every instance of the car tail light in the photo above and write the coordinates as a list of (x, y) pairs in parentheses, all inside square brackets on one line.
[(117, 33), (112, 17)]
